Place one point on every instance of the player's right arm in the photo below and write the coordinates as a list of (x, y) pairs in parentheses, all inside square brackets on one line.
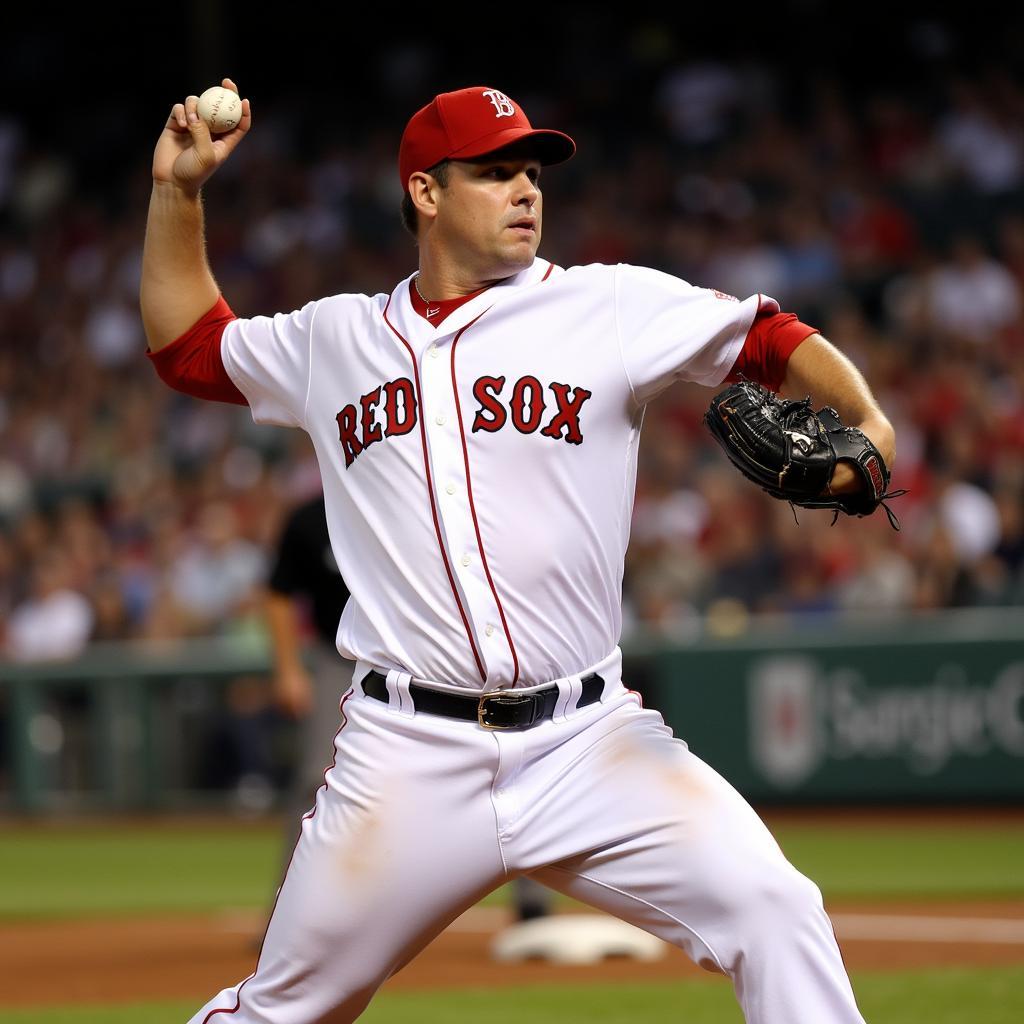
[(177, 286)]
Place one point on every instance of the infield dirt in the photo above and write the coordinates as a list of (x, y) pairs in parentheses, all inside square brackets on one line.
[(149, 958)]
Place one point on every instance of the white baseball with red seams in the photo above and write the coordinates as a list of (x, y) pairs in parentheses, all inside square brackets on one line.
[(220, 108), (479, 480)]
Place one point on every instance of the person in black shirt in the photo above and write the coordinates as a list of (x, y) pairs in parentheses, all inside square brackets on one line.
[(306, 574)]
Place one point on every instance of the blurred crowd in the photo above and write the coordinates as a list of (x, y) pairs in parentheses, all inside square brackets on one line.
[(892, 223)]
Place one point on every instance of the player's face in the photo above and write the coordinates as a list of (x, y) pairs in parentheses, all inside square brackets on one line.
[(489, 217)]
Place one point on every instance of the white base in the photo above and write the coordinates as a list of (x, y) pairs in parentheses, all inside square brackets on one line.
[(575, 939)]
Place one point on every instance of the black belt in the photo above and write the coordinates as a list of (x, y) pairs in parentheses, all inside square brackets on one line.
[(501, 710)]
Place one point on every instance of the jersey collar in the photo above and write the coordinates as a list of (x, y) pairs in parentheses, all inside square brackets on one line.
[(403, 316)]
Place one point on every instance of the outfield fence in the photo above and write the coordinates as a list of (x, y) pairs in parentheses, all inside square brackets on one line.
[(883, 710)]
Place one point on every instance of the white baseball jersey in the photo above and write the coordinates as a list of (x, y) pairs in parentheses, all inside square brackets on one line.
[(479, 475), (479, 481)]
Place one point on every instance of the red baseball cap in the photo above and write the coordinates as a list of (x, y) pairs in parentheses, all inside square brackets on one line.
[(471, 122)]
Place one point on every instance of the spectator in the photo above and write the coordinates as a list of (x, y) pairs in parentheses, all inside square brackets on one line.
[(973, 296), (54, 621), (218, 574)]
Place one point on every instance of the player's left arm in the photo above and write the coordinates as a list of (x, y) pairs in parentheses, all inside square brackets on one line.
[(817, 368)]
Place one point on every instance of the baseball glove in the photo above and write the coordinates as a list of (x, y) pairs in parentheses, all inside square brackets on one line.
[(790, 450)]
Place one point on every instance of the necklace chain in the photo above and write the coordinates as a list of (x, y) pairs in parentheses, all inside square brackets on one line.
[(416, 284)]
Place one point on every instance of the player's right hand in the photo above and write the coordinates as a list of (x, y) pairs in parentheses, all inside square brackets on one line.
[(186, 153)]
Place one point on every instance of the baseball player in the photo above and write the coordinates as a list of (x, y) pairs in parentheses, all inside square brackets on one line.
[(476, 430)]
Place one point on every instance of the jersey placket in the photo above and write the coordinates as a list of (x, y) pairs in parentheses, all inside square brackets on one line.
[(451, 488)]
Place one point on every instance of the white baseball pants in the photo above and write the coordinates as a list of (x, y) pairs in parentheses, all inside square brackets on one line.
[(421, 816)]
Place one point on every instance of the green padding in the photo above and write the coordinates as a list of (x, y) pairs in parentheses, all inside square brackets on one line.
[(883, 715)]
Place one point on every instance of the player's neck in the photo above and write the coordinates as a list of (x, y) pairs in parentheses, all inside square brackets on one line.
[(436, 282), (437, 289)]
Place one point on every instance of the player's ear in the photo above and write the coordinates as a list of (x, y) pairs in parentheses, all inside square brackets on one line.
[(423, 191)]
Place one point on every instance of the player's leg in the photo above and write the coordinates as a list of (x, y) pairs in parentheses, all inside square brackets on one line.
[(663, 841), (401, 840)]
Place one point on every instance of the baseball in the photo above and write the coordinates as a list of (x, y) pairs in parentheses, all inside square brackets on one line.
[(220, 108)]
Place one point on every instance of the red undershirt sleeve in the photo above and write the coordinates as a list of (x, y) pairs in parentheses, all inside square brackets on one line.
[(192, 362), (770, 342)]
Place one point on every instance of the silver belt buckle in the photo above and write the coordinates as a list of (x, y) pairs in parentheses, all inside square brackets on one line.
[(481, 708)]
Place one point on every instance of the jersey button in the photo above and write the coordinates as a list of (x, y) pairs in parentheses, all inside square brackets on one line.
[(450, 488), (439, 419), (466, 559), (433, 351), (489, 629)]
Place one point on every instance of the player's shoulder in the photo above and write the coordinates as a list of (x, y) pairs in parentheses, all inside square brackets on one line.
[(628, 283), (346, 308), (315, 307), (643, 285), (575, 270), (355, 300), (637, 274), (352, 300), (580, 275), (612, 273)]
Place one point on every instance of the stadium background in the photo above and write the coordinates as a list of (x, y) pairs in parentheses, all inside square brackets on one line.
[(867, 174)]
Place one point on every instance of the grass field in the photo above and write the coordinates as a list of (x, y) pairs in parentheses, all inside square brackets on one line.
[(53, 872), (86, 869)]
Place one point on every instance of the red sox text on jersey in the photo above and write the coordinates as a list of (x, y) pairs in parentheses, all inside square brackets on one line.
[(358, 425)]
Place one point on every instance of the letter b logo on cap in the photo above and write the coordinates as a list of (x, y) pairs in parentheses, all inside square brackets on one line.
[(502, 104)]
